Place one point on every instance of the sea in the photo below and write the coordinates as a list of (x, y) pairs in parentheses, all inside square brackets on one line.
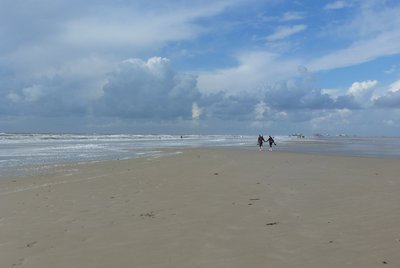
[(24, 154)]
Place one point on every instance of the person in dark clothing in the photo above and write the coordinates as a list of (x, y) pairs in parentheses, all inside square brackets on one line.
[(271, 141), (260, 141)]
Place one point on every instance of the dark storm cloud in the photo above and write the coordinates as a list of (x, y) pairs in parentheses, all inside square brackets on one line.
[(148, 90), (389, 100), (221, 106), (54, 96)]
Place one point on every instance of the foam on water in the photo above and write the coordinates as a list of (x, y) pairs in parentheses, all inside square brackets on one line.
[(22, 153), (27, 153)]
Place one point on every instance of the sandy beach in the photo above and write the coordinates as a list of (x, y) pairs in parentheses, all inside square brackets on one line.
[(205, 208)]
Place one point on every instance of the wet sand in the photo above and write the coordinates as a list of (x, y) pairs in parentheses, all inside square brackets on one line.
[(205, 208)]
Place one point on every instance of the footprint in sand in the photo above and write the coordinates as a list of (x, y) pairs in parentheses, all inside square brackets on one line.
[(148, 215), (31, 244), (19, 263)]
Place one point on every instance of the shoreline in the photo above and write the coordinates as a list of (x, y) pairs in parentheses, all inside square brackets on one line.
[(40, 169), (223, 207), (19, 155)]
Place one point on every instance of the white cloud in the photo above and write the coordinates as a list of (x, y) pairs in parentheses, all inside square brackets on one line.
[(283, 32), (74, 30), (394, 87), (391, 98), (332, 92), (371, 33), (392, 70), (260, 109), (362, 91), (337, 5), (344, 113), (338, 116), (385, 44), (137, 31), (33, 93), (29, 94), (71, 63), (389, 122), (358, 87), (292, 15), (255, 69), (282, 115), (196, 111), (13, 97)]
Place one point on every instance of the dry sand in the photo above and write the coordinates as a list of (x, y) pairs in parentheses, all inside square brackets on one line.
[(205, 208)]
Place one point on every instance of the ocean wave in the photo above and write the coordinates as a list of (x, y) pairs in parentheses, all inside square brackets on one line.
[(21, 151)]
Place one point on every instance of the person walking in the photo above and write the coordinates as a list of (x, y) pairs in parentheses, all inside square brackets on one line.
[(260, 142), (271, 141)]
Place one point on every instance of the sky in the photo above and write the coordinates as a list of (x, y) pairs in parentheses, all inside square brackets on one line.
[(200, 66)]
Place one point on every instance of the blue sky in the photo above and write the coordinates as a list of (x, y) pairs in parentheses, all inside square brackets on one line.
[(238, 66)]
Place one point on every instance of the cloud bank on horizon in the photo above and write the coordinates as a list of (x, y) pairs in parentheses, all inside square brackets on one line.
[(200, 66)]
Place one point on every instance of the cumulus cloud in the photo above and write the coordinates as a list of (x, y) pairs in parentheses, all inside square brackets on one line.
[(394, 87), (46, 96), (148, 90), (358, 88), (290, 100), (229, 107), (297, 93), (388, 100), (362, 91), (151, 90), (277, 97), (260, 109), (33, 93), (338, 116), (71, 63), (196, 111)]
